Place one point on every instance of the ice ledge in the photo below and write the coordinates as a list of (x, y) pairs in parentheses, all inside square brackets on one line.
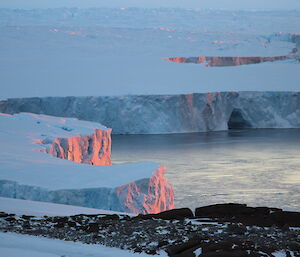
[(27, 173), (151, 195)]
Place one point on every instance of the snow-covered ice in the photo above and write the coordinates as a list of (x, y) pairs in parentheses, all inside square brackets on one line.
[(28, 173)]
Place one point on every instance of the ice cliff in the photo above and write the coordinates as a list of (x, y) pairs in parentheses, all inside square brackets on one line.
[(92, 149), (220, 61), (143, 114), (26, 172)]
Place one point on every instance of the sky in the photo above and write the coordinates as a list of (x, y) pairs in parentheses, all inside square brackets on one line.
[(228, 4)]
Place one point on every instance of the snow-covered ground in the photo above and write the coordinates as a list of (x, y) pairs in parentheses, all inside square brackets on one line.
[(34, 208), (17, 245)]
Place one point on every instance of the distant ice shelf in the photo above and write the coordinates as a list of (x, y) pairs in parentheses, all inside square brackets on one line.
[(156, 114), (26, 172)]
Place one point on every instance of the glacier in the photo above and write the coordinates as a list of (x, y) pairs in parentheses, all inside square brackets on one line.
[(77, 176), (185, 113)]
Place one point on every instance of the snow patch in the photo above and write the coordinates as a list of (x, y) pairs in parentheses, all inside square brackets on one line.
[(16, 245), (198, 252)]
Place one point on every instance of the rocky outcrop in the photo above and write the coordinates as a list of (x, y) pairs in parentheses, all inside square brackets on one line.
[(259, 216), (174, 214), (156, 114), (220, 61)]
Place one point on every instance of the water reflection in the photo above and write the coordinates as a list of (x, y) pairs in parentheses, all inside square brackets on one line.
[(257, 167)]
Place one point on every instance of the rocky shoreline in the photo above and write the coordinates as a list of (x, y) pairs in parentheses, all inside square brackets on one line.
[(218, 230)]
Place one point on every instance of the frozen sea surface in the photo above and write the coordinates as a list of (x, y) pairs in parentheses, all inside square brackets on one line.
[(103, 51), (257, 167)]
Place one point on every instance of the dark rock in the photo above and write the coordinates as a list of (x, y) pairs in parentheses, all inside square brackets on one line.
[(294, 246), (217, 249), (238, 229), (10, 219), (110, 217), (125, 217), (286, 227), (137, 250), (222, 210), (71, 224), (232, 253), (26, 217), (214, 247), (60, 219), (259, 216), (26, 225), (286, 217), (176, 249), (151, 252), (162, 243), (3, 215), (93, 228), (175, 214), (187, 253), (59, 225)]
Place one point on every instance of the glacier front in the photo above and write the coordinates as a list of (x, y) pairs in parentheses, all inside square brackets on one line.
[(155, 114), (76, 177)]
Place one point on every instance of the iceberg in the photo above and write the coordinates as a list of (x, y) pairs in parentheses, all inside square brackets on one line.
[(185, 113), (30, 170)]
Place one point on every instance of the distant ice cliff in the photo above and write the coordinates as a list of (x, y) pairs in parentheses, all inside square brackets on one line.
[(221, 61), (146, 114)]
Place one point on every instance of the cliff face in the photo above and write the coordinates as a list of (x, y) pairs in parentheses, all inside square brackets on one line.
[(148, 195), (219, 61), (155, 114), (92, 149)]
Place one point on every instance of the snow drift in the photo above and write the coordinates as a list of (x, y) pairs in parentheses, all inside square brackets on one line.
[(28, 173), (153, 114)]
